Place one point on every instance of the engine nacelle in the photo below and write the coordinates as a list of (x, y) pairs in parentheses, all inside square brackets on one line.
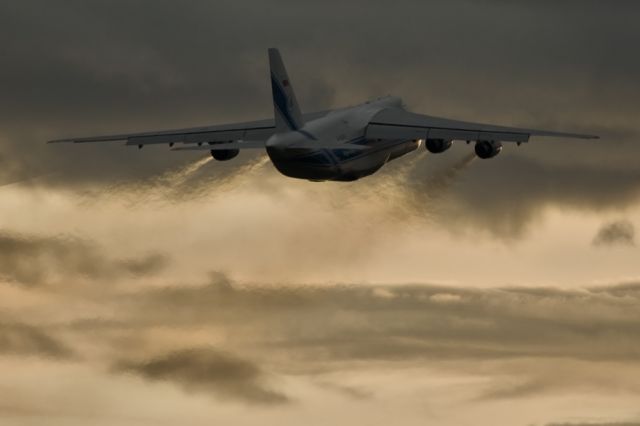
[(488, 149), (437, 146), (225, 154)]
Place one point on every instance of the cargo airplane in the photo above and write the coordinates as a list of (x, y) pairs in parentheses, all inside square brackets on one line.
[(343, 144)]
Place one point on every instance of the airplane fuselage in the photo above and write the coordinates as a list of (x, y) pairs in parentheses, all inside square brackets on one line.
[(346, 125)]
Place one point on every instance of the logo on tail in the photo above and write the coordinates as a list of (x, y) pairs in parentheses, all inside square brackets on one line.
[(287, 112)]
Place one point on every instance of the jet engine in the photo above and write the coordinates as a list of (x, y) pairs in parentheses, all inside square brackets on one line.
[(437, 146), (225, 154), (488, 149)]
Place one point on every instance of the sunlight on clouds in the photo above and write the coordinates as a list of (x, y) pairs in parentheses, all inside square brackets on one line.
[(147, 287), (259, 226)]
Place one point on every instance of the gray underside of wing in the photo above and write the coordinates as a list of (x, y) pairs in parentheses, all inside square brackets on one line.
[(260, 130), (396, 123), (222, 146), (312, 144)]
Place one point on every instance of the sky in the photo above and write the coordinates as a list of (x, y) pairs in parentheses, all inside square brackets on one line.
[(146, 287)]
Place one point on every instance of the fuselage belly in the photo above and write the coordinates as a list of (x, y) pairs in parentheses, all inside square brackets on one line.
[(338, 165), (342, 126)]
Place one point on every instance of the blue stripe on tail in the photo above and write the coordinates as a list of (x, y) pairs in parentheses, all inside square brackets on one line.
[(281, 102)]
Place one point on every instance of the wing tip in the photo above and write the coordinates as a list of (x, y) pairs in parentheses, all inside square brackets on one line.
[(589, 137), (565, 135)]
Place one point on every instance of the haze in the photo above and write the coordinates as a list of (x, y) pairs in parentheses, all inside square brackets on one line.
[(145, 287)]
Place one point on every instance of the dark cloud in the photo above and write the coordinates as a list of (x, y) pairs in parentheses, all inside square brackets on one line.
[(527, 341), (621, 232), (421, 320), (506, 203), (26, 340), (348, 391), (596, 424), (36, 260), (91, 67), (525, 379), (524, 341), (517, 390), (144, 266), (208, 370), (544, 64)]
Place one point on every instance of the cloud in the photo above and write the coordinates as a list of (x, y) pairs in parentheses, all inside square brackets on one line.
[(208, 370), (520, 63), (404, 322), (348, 391), (193, 180), (596, 424), (616, 233), (26, 340), (38, 260), (129, 73), (521, 341), (505, 196), (528, 341)]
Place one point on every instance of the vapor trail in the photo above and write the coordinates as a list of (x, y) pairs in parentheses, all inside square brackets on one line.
[(153, 189), (195, 180), (388, 184), (27, 179), (174, 178), (209, 182), (438, 184), (423, 194)]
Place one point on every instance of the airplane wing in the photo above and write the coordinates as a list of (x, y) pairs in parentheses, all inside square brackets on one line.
[(400, 124), (253, 131), (311, 144)]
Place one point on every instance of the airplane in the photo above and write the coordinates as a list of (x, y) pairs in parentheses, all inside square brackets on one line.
[(343, 144)]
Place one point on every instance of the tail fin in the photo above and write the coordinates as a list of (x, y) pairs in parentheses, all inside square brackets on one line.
[(287, 112)]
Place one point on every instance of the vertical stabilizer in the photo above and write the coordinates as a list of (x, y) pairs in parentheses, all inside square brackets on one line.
[(287, 112)]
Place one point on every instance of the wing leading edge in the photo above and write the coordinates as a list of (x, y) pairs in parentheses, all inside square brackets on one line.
[(399, 124), (260, 130)]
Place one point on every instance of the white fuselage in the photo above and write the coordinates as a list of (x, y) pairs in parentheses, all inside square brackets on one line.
[(344, 126)]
